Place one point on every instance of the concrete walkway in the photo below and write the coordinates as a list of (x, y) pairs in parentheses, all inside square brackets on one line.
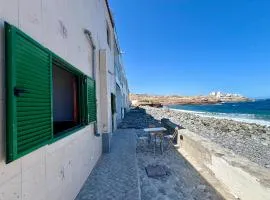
[(115, 175), (121, 174)]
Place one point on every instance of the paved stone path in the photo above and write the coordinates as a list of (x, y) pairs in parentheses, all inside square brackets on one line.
[(138, 119), (182, 181), (115, 176), (121, 174)]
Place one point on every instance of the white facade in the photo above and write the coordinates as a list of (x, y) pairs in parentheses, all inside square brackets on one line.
[(122, 91), (220, 94), (58, 170)]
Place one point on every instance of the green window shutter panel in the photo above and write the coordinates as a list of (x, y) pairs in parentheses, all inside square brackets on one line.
[(29, 99), (91, 100)]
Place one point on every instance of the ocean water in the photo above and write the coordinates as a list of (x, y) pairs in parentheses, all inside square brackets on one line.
[(252, 112)]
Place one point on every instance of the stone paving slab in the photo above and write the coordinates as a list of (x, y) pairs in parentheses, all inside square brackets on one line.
[(182, 181), (116, 175), (121, 174)]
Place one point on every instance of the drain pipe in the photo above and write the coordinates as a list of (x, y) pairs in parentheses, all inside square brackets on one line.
[(91, 41)]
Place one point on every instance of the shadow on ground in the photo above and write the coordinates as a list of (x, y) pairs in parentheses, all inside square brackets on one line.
[(138, 119), (121, 174), (182, 180)]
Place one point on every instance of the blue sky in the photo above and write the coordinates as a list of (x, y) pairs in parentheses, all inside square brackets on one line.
[(191, 47)]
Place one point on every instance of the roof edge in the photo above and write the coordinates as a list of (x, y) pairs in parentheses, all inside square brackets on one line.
[(110, 13)]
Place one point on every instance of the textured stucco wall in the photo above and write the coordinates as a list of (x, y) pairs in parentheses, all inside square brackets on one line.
[(56, 171)]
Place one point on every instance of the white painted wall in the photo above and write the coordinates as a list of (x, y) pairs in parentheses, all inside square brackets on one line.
[(119, 104), (104, 116), (121, 84), (56, 171)]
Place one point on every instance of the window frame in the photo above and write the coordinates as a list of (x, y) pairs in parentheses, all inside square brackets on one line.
[(11, 130), (108, 34), (80, 75)]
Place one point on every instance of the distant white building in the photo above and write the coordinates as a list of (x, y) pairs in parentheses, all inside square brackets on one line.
[(212, 94), (219, 94), (216, 94)]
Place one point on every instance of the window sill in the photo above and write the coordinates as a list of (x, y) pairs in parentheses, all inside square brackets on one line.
[(94, 123), (66, 133), (70, 131)]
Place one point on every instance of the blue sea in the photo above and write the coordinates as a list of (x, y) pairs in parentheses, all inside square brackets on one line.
[(257, 111)]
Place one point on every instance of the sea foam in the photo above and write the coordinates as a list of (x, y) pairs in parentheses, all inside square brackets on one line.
[(247, 118)]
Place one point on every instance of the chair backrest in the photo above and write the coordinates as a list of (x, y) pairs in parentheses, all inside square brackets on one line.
[(172, 128)]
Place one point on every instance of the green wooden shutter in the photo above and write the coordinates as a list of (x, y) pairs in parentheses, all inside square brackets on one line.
[(29, 95), (91, 100)]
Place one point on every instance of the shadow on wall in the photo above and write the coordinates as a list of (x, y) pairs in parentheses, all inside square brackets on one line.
[(182, 180)]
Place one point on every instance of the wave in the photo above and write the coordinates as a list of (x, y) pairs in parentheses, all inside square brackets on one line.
[(247, 118)]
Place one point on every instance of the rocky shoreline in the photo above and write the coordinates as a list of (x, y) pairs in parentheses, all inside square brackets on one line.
[(248, 140), (159, 101)]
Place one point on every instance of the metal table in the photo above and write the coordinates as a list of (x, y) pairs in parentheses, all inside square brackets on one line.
[(156, 132)]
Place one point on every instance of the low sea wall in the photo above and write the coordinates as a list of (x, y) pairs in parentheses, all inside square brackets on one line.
[(235, 174), (248, 140)]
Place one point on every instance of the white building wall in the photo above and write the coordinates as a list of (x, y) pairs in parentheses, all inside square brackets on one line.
[(56, 171), (119, 104), (122, 93)]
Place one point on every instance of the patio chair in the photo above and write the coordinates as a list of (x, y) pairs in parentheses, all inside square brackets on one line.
[(172, 132), (158, 137), (171, 138)]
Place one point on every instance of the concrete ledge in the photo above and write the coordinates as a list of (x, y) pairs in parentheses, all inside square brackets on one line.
[(241, 177)]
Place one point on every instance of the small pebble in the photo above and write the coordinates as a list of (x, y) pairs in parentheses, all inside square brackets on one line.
[(239, 137)]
